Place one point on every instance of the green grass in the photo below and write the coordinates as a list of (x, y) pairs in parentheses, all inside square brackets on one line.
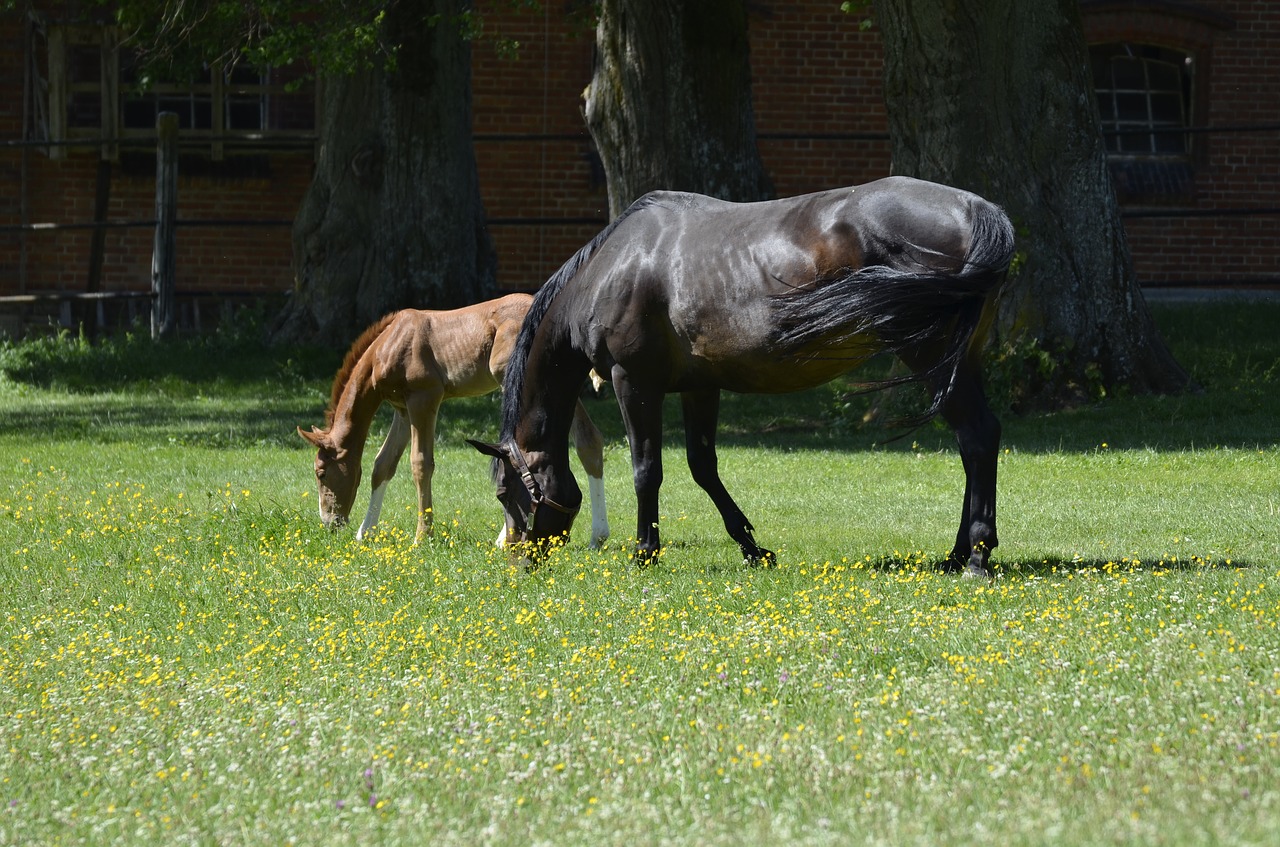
[(188, 657)]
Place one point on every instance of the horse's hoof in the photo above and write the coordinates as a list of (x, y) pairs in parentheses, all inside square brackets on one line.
[(644, 558), (976, 568), (760, 557)]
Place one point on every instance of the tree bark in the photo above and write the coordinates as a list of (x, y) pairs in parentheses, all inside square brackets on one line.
[(393, 217), (995, 96), (669, 104)]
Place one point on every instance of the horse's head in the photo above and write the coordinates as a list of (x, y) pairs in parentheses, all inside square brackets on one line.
[(533, 517), (337, 475)]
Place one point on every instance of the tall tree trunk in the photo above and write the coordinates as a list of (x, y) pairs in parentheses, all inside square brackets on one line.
[(669, 105), (393, 217), (995, 96)]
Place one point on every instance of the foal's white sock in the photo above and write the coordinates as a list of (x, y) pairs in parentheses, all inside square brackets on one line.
[(371, 516), (599, 516)]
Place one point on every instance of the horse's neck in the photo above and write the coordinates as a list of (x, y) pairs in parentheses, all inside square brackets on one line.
[(551, 387), (359, 400)]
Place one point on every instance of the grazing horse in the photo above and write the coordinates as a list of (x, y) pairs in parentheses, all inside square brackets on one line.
[(414, 360), (689, 294)]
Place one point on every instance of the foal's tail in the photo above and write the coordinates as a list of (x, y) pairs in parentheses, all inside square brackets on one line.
[(905, 310)]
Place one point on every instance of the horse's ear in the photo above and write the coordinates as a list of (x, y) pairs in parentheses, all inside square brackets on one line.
[(493, 450), (314, 436)]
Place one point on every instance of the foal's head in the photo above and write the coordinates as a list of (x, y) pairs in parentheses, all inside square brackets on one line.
[(533, 518), (337, 475)]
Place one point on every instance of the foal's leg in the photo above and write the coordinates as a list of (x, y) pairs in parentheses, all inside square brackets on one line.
[(590, 446), (642, 416), (384, 467), (701, 414), (978, 435), (423, 406)]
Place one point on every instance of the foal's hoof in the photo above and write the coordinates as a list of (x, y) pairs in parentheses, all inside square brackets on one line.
[(760, 557)]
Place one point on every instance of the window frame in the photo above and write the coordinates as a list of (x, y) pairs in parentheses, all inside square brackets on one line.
[(1117, 98), (113, 129)]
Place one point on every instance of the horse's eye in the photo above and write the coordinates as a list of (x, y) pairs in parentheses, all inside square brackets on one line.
[(319, 473)]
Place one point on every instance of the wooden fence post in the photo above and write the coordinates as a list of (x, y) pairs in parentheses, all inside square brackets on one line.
[(163, 305)]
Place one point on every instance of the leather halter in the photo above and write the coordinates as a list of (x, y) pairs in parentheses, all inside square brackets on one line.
[(536, 497)]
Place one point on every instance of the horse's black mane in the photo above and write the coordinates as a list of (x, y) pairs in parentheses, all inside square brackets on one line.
[(513, 383)]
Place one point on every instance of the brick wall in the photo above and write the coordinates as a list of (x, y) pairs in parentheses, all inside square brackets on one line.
[(533, 152), (237, 259), (817, 77), (1237, 77), (817, 91), (819, 113), (820, 117)]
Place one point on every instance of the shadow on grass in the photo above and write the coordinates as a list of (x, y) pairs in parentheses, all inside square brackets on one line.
[(232, 393), (111, 419), (1052, 565)]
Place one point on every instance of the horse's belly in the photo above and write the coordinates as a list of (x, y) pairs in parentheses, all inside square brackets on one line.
[(766, 372)]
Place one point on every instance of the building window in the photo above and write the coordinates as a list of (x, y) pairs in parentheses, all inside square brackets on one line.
[(240, 100), (97, 90), (1144, 99)]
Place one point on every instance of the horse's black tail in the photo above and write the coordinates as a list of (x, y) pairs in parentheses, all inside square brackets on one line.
[(904, 310)]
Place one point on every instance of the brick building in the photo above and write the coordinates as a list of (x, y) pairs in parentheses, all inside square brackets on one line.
[(1202, 206)]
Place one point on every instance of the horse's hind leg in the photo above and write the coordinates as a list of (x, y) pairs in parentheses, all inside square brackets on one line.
[(384, 468), (423, 407), (701, 416), (590, 446), (978, 435)]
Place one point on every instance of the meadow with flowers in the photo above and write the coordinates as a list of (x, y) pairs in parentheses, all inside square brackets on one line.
[(188, 657)]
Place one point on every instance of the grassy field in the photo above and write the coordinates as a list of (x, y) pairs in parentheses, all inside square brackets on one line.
[(189, 658)]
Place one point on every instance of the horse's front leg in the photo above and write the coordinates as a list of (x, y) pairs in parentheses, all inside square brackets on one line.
[(384, 468), (701, 417), (642, 416), (423, 407), (590, 446), (978, 435)]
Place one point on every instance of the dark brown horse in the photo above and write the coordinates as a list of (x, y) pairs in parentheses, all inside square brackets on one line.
[(685, 293)]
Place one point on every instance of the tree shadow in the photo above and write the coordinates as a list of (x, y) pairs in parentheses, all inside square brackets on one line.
[(113, 419)]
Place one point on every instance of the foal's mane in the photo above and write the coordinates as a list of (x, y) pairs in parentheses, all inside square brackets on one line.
[(513, 383), (358, 349)]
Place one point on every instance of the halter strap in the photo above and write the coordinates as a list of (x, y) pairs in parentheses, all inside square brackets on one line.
[(536, 497)]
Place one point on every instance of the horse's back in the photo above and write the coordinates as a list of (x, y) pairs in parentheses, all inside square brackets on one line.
[(678, 293), (457, 352), (683, 287), (792, 241)]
